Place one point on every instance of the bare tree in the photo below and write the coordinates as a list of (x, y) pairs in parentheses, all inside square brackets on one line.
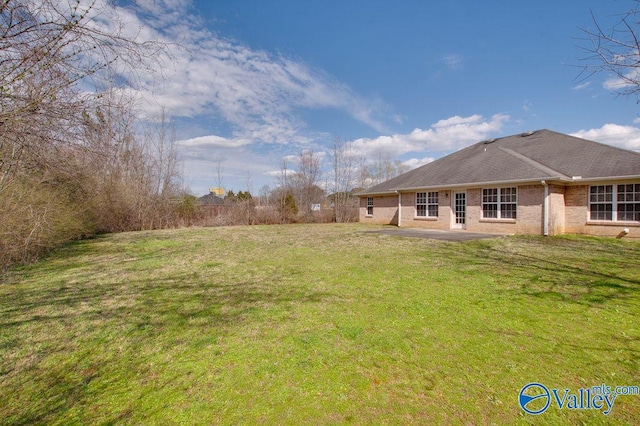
[(263, 196), (384, 168), (615, 50), (284, 193), (305, 182), (163, 156), (73, 163), (344, 170), (219, 174), (47, 48), (285, 174)]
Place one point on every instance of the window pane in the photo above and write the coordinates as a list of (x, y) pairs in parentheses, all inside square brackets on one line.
[(508, 211), (601, 201), (433, 210), (601, 212), (508, 195), (629, 212), (421, 204), (490, 195), (490, 211)]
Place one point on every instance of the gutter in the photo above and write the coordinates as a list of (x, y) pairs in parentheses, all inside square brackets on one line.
[(588, 180), (545, 209), (371, 194), (399, 208), (532, 181)]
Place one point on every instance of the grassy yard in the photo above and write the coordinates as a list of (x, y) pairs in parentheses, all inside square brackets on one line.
[(317, 324)]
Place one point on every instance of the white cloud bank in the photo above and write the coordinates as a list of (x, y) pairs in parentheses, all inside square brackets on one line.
[(214, 142), (627, 137), (445, 135)]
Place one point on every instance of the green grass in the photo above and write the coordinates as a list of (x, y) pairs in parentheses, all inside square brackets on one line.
[(317, 324)]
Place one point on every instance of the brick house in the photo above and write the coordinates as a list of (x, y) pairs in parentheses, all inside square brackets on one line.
[(540, 182)]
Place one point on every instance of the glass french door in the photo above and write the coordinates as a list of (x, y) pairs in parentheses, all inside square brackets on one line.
[(460, 210)]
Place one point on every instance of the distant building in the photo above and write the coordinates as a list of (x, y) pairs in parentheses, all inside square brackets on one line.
[(217, 191), (211, 199)]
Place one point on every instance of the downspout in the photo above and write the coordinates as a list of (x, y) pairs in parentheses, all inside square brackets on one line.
[(399, 208), (545, 209)]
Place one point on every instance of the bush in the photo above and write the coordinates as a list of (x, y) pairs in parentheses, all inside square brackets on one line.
[(35, 217)]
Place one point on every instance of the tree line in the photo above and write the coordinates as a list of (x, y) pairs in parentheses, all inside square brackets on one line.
[(312, 186), (75, 162)]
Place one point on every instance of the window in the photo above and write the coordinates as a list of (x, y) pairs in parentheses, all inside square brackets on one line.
[(369, 206), (625, 206), (629, 202), (601, 202), (499, 203), (508, 203), (490, 203), (432, 204), (421, 204), (427, 204)]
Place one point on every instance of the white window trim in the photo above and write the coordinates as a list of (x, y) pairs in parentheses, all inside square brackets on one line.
[(426, 205), (614, 205), (369, 205), (436, 204), (499, 204)]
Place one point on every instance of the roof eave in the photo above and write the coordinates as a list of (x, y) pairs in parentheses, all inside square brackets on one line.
[(578, 180), (372, 194), (574, 180), (489, 183)]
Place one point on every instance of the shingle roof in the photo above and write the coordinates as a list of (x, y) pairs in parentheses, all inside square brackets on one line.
[(211, 199), (539, 155)]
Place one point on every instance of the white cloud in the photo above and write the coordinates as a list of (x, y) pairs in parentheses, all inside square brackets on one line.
[(413, 163), (454, 61), (615, 83), (448, 134), (582, 86), (627, 137), (214, 141), (256, 92)]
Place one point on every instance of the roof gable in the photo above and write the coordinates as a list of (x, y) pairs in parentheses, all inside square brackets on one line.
[(539, 155)]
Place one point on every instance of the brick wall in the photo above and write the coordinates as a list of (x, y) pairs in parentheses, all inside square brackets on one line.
[(385, 210), (577, 216), (530, 197), (557, 210), (576, 208), (409, 218), (528, 216)]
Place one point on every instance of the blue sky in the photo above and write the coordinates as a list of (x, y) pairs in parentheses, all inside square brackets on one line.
[(250, 82)]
